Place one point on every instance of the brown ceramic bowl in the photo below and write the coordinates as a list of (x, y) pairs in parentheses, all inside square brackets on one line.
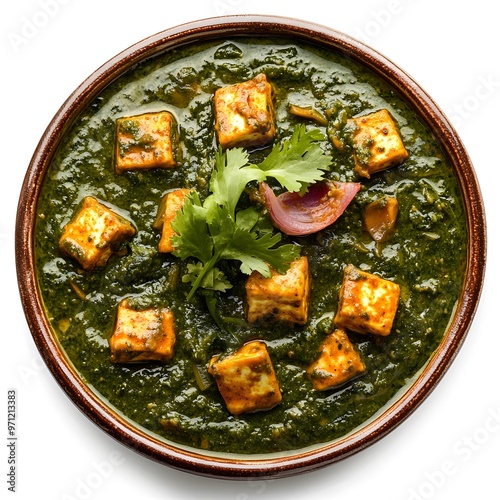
[(287, 464)]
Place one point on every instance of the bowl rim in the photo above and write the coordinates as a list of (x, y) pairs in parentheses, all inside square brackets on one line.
[(299, 461)]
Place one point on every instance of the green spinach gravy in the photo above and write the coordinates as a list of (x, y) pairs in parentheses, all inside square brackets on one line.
[(425, 256)]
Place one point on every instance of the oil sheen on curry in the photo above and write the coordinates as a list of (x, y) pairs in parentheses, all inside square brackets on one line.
[(249, 246)]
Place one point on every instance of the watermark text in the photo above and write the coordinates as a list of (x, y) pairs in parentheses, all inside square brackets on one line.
[(463, 450), (484, 89), (31, 25), (11, 440), (87, 484)]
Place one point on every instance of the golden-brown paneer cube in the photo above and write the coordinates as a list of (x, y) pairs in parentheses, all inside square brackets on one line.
[(170, 205), (367, 303), (380, 218), (93, 234), (244, 114), (146, 141), (337, 363), (282, 297), (377, 143), (139, 336), (246, 379)]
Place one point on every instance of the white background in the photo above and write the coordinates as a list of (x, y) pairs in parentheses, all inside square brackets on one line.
[(449, 448)]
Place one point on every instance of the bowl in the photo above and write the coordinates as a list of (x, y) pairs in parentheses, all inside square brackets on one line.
[(232, 466)]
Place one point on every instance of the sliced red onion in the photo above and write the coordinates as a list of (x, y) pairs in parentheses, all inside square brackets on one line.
[(321, 206)]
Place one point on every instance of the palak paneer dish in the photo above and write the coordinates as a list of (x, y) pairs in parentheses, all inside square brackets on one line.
[(249, 245)]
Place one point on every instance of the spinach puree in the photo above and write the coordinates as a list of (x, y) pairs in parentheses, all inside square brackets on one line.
[(425, 255)]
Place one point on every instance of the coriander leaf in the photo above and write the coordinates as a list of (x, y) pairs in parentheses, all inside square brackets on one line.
[(300, 161), (231, 175), (212, 280), (221, 225), (257, 254), (192, 238), (247, 218)]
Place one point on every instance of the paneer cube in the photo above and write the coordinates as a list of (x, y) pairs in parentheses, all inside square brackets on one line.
[(171, 203), (244, 114), (367, 303), (93, 234), (246, 379), (377, 143), (380, 218), (146, 335), (146, 141), (337, 363), (282, 297)]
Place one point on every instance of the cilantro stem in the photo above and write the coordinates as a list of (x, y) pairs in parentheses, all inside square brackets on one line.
[(207, 267), (211, 300)]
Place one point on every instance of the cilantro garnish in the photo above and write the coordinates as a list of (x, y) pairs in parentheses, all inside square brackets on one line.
[(216, 230)]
